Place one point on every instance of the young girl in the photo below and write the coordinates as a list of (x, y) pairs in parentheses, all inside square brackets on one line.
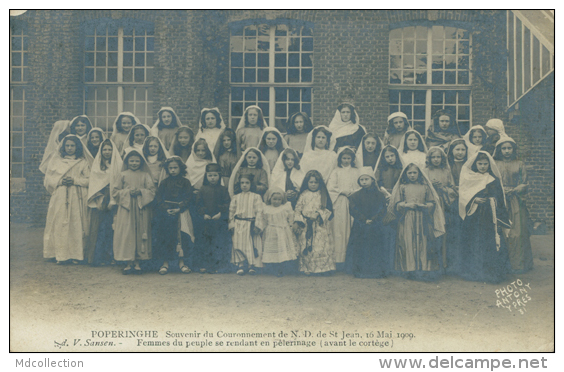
[(397, 126), (136, 138), (182, 143), (66, 179), (412, 149), (457, 155), (252, 162), (438, 172), (483, 209), (172, 199), (319, 154), (132, 193), (196, 164), (122, 125), (475, 139), (211, 126), (420, 222), (287, 175), (313, 212), (249, 130), (278, 241), (106, 172), (245, 209), (226, 153), (495, 130), (81, 126), (368, 151), (443, 130), (515, 184), (271, 145), (93, 141), (346, 128), (369, 243), (166, 126), (299, 125), (212, 206), (154, 152), (388, 170), (342, 183), (54, 143)]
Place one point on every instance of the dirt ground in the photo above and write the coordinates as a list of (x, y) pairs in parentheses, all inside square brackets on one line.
[(50, 304)]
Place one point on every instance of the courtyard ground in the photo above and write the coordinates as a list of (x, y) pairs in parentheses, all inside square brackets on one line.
[(50, 303)]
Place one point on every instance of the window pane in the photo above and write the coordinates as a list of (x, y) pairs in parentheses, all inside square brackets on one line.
[(464, 97), (406, 97), (250, 94), (112, 59), (150, 44), (89, 59), (450, 77), (236, 109), (463, 77), (112, 43), (263, 60), (236, 94), (236, 75), (280, 75), (280, 94), (149, 59), (263, 94), (293, 75), (307, 44), (129, 93), (263, 45), (128, 44), (450, 97), (17, 139), (281, 109), (250, 75), (100, 43), (280, 60), (17, 155), (112, 75), (100, 74), (408, 46), (421, 77), (419, 112), (437, 77), (139, 75), (128, 59), (294, 59), (16, 59), (262, 75), (100, 59), (307, 75), (139, 59), (140, 44), (421, 47), (89, 43), (294, 94), (250, 60), (250, 44), (236, 59), (394, 96), (16, 74)]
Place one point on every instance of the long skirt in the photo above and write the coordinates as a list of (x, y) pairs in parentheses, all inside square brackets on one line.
[(213, 245), (369, 248)]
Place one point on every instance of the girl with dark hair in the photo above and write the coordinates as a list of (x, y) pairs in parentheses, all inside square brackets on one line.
[(484, 212), (155, 153), (136, 137), (122, 125), (397, 126), (346, 127), (443, 130), (182, 143), (106, 171), (271, 145), (133, 193), (172, 199), (80, 126), (299, 125), (66, 179), (368, 151), (250, 128), (196, 164), (93, 141), (342, 183), (245, 209), (412, 149), (475, 139), (287, 174), (515, 184), (388, 170), (313, 212), (166, 126), (211, 126), (456, 157), (420, 221), (226, 154), (319, 154), (212, 207), (252, 162)]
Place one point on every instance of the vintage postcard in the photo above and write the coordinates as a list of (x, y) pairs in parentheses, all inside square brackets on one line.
[(281, 181)]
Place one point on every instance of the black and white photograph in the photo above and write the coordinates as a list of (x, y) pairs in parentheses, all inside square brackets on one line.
[(281, 181)]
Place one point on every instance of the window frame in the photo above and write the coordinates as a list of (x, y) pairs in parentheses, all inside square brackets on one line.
[(271, 84)]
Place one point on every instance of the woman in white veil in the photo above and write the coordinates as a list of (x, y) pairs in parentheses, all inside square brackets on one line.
[(318, 153)]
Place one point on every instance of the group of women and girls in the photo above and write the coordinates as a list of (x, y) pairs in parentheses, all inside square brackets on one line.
[(316, 199)]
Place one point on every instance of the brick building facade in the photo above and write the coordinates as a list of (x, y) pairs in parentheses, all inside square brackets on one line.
[(66, 63)]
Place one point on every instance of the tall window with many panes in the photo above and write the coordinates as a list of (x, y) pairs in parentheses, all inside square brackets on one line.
[(271, 65), (430, 71), (118, 71), (19, 77)]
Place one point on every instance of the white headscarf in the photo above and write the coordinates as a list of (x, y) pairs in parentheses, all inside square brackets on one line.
[(497, 125), (125, 113), (414, 156), (398, 114), (196, 167), (53, 143), (59, 166), (210, 135), (87, 153), (99, 178), (155, 128), (360, 151), (471, 183), (265, 166), (126, 144), (270, 130), (128, 152), (341, 128), (472, 149), (278, 176), (242, 120), (504, 138), (438, 214), (367, 171), (323, 161)]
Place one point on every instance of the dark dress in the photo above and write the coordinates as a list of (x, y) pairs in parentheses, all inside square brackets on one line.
[(352, 140), (480, 259), (173, 192), (213, 241), (369, 245), (454, 228), (100, 249)]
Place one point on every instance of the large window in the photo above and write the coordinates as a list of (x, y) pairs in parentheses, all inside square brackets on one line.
[(271, 66), (429, 71), (118, 71), (19, 72)]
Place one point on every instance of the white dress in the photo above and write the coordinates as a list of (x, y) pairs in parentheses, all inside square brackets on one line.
[(246, 205), (279, 243)]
